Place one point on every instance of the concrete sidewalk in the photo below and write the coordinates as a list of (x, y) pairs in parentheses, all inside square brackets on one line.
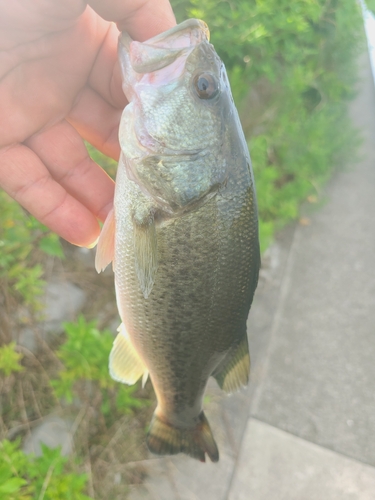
[(304, 429)]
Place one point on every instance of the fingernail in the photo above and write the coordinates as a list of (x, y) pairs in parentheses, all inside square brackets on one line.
[(92, 245)]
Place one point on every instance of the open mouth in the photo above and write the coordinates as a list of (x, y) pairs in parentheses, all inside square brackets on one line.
[(164, 49)]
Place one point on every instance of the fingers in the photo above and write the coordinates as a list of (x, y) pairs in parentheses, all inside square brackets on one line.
[(51, 175), (97, 121), (24, 177), (142, 19), (63, 153), (55, 179), (47, 76)]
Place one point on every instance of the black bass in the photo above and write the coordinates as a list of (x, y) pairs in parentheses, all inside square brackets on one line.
[(183, 235)]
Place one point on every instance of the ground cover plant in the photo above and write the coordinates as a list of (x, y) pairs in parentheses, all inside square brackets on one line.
[(292, 71)]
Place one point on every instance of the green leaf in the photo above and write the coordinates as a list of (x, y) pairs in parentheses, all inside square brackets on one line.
[(10, 359), (126, 402), (51, 245), (12, 485)]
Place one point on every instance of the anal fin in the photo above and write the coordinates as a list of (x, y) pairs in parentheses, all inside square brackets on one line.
[(124, 363), (233, 372)]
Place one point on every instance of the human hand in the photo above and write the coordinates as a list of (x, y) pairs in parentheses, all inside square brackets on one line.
[(60, 83)]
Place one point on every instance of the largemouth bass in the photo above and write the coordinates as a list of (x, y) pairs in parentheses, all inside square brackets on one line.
[(183, 235)]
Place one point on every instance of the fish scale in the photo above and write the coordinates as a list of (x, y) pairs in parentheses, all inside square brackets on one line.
[(183, 236)]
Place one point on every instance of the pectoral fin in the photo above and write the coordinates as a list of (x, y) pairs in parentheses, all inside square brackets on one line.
[(106, 244), (145, 249), (124, 363), (233, 372)]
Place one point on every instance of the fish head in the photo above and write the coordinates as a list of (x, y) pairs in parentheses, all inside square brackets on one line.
[(180, 109)]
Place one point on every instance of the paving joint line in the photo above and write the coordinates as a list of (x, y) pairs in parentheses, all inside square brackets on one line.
[(339, 453)]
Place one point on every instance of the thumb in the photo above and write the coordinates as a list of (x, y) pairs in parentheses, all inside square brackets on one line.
[(142, 19)]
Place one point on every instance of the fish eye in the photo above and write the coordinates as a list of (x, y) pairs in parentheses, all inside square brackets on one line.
[(206, 86)]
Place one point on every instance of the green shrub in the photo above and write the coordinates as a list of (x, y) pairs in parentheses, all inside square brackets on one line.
[(20, 235), (371, 5), (293, 159), (9, 360), (108, 164), (13, 470), (48, 477)]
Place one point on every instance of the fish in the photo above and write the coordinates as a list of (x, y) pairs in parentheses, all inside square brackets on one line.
[(182, 236)]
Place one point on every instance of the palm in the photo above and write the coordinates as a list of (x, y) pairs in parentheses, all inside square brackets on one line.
[(59, 82), (39, 90)]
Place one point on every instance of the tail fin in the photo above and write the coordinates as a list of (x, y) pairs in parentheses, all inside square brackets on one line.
[(165, 439)]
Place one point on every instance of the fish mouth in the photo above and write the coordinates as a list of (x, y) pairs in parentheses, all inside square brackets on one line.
[(163, 49), (197, 29)]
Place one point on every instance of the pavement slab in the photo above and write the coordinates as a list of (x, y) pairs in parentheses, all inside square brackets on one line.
[(318, 382), (275, 465)]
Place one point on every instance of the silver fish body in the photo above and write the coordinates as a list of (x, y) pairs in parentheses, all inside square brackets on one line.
[(186, 252)]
